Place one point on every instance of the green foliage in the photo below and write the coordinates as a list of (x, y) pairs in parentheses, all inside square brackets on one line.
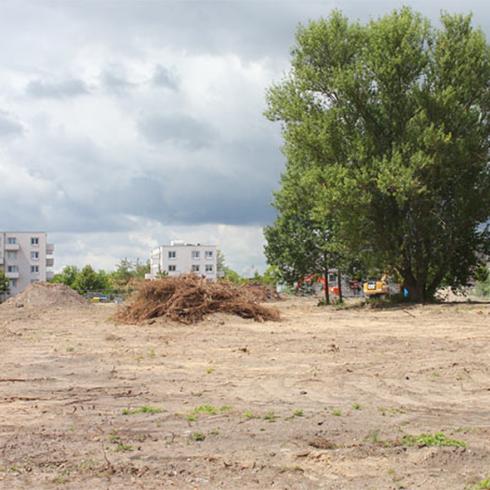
[(198, 436), (89, 280), (482, 286), (67, 276), (386, 129), (482, 485), (4, 284), (143, 409), (437, 439)]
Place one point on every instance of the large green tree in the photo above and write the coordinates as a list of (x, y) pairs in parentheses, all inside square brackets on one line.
[(392, 119)]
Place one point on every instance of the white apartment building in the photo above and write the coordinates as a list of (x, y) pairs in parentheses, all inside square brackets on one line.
[(25, 257), (183, 258)]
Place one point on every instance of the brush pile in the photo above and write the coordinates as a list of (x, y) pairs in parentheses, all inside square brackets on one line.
[(188, 299)]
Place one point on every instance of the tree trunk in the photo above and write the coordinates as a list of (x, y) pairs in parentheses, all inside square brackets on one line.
[(327, 295), (339, 285), (416, 290)]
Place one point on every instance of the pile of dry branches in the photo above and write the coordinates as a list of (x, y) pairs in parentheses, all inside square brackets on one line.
[(188, 299)]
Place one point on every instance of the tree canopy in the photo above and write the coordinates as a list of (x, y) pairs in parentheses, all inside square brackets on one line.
[(387, 131)]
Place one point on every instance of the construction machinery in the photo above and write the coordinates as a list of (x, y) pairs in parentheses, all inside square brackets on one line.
[(376, 287)]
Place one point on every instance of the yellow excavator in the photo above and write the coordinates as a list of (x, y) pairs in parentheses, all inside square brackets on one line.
[(376, 287)]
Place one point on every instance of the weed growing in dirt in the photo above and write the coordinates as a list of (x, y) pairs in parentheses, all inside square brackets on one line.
[(298, 413), (356, 406), (123, 448), (336, 412), (206, 409), (270, 416), (62, 478), (426, 440), (191, 417), (210, 370), (482, 485), (248, 414), (143, 409), (198, 436), (151, 353)]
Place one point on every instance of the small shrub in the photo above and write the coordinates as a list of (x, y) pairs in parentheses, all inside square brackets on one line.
[(198, 436), (482, 485), (356, 406), (122, 448), (336, 412), (270, 416), (437, 439)]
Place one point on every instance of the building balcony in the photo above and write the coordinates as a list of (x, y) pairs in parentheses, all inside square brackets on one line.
[(12, 275), (11, 247), (49, 249), (49, 262)]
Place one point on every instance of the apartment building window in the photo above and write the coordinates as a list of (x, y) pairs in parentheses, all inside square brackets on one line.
[(35, 255), (13, 283), (34, 241), (209, 254), (34, 269), (12, 255), (172, 268), (12, 268), (172, 254), (195, 254), (11, 240), (195, 268), (209, 267)]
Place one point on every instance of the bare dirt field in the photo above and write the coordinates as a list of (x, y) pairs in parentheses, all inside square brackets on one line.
[(323, 399)]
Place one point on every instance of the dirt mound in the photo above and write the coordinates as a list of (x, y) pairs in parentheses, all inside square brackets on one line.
[(188, 299), (40, 294)]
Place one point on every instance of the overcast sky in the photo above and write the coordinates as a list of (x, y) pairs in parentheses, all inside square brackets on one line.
[(125, 124)]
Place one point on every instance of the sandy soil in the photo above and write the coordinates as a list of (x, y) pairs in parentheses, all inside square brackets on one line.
[(319, 400)]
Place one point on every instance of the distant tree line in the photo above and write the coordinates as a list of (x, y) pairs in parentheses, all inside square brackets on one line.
[(86, 279)]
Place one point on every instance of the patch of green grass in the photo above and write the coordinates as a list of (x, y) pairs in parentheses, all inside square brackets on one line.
[(482, 485), (143, 409), (191, 417), (206, 409), (270, 416), (356, 406), (336, 412), (427, 440), (248, 414), (298, 412), (114, 438), (123, 448), (225, 408), (198, 436)]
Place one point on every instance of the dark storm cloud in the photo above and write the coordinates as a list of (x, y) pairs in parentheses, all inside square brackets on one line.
[(179, 129), (56, 90), (9, 126)]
